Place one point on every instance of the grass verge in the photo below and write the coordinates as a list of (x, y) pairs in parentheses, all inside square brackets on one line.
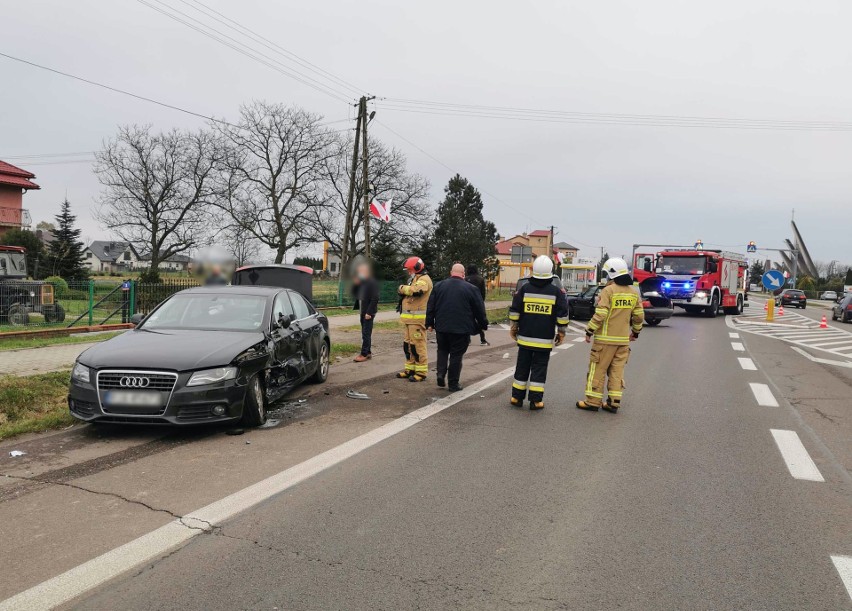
[(29, 404), (17, 343), (344, 350)]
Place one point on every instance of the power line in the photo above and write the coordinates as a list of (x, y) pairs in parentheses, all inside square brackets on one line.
[(558, 116), (236, 26), (246, 50), (117, 90)]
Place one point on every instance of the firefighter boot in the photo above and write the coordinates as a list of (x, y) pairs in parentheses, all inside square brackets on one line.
[(514, 402), (587, 406), (612, 405), (536, 405)]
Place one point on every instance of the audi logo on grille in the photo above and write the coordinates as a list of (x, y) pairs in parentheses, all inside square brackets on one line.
[(134, 382)]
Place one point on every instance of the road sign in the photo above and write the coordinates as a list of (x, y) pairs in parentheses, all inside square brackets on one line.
[(752, 247), (773, 279)]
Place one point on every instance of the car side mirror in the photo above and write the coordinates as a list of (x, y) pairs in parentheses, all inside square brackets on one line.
[(285, 320), (136, 319)]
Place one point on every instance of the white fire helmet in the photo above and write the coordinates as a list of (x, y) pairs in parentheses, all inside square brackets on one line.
[(615, 267), (542, 267)]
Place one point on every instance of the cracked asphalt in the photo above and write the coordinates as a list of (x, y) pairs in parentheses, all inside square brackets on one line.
[(681, 501)]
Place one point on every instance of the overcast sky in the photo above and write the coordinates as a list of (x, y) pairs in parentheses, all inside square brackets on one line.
[(601, 185)]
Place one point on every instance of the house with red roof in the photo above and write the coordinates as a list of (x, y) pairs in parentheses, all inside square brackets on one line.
[(14, 182), (517, 253)]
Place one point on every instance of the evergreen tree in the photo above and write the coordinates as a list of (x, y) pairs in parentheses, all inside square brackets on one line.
[(461, 233), (848, 279), (756, 272), (387, 256), (314, 263), (603, 259), (36, 267), (66, 251)]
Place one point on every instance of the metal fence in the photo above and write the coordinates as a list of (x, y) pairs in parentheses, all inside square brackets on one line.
[(57, 303)]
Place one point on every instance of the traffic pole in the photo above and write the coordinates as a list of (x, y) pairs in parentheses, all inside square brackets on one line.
[(770, 309)]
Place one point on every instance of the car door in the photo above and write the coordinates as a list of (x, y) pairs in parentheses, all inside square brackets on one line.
[(584, 308), (309, 329), (287, 360)]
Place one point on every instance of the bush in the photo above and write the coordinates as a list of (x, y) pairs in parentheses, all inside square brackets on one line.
[(60, 287)]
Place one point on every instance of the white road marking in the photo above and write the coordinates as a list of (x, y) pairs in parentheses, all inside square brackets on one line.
[(763, 395), (843, 564), (734, 335), (747, 364), (97, 571), (804, 333), (738, 346), (564, 346), (816, 359), (504, 327), (799, 462), (580, 339)]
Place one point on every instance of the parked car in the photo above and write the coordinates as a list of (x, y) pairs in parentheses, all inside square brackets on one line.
[(206, 354), (842, 310), (829, 296), (657, 306), (793, 297), (557, 282)]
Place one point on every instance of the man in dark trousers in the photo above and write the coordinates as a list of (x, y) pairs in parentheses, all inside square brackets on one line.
[(455, 311), (479, 282), (366, 291)]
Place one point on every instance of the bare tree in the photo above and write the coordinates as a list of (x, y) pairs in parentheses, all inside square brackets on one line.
[(272, 173), (240, 243), (389, 178), (156, 189)]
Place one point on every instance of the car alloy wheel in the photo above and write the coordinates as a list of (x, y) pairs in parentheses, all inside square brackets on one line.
[(323, 365), (257, 391)]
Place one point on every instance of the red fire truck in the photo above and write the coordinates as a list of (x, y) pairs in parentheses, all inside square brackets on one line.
[(696, 280)]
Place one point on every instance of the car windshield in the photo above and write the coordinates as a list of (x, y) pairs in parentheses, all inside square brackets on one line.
[(686, 266), (213, 312), (13, 264)]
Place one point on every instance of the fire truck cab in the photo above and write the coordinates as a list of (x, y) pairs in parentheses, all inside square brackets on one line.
[(697, 280)]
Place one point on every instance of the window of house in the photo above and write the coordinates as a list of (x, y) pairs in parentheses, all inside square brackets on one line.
[(89, 255), (127, 255), (332, 266)]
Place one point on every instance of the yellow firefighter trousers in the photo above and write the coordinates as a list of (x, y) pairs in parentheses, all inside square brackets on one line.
[(605, 361), (414, 346)]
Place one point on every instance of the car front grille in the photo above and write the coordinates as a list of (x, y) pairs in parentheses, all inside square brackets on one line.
[(113, 379)]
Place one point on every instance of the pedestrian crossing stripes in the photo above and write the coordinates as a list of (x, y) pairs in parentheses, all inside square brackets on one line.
[(799, 331)]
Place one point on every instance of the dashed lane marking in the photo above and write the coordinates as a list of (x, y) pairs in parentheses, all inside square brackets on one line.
[(734, 335), (738, 346), (747, 364), (796, 457), (843, 564), (99, 570), (580, 339), (763, 395), (564, 346)]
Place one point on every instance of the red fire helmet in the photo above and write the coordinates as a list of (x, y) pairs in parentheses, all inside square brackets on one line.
[(414, 265)]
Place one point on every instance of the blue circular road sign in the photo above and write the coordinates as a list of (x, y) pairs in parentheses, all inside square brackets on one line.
[(773, 279)]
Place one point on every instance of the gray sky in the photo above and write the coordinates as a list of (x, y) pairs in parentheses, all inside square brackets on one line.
[(609, 185)]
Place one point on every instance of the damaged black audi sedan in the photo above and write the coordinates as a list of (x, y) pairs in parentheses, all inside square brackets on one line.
[(207, 354)]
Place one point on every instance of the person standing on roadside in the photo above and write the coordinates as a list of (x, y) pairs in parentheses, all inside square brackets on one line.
[(478, 281), (413, 298), (455, 311), (366, 291)]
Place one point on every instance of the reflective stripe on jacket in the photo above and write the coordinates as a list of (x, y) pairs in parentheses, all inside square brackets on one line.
[(617, 313), (538, 308)]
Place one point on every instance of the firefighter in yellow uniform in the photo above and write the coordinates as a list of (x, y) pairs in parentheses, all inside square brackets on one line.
[(414, 297), (617, 321)]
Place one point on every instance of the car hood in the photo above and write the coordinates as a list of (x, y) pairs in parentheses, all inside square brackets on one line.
[(169, 349)]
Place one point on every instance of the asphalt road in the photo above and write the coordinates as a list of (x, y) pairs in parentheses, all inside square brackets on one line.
[(723, 483)]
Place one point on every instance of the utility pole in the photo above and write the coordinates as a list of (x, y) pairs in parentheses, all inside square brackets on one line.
[(344, 255), (365, 178)]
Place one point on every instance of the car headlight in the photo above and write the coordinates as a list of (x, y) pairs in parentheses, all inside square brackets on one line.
[(701, 294), (211, 376), (80, 373)]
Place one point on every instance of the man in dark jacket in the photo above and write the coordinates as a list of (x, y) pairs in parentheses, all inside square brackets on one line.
[(455, 311), (479, 282), (366, 291)]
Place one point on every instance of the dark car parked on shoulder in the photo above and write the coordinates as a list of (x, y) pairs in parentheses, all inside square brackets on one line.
[(656, 305), (206, 354), (793, 297), (557, 282), (842, 310)]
